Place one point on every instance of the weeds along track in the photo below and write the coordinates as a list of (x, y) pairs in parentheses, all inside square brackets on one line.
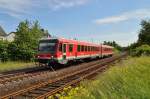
[(48, 83)]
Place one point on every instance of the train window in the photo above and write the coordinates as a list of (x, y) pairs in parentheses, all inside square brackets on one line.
[(60, 47), (105, 49), (79, 48), (64, 48), (86, 48), (70, 47), (82, 48), (97, 49), (89, 48)]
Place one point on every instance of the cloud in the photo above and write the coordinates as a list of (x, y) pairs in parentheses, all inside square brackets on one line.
[(137, 14), (16, 8), (58, 4)]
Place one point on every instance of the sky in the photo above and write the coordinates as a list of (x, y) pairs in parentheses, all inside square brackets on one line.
[(87, 20)]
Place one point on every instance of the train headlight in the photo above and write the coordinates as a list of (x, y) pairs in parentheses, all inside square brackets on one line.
[(52, 57)]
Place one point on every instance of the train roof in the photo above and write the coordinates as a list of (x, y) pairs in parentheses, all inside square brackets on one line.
[(75, 41), (107, 46)]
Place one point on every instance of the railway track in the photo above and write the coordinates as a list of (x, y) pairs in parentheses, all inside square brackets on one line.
[(47, 83), (19, 74), (5, 78)]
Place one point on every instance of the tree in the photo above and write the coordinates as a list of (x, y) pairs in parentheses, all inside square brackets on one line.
[(144, 35), (26, 39), (141, 50), (114, 44), (3, 51)]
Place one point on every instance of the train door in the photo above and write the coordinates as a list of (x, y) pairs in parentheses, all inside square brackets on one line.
[(64, 50)]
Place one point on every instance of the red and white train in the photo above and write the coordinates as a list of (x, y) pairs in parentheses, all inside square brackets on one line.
[(60, 50)]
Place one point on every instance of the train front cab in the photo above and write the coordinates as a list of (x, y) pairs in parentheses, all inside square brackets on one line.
[(53, 51), (47, 51)]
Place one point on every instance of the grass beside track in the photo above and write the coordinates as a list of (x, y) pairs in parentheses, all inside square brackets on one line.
[(129, 79), (14, 66)]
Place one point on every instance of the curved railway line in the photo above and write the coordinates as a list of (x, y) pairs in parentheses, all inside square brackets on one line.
[(40, 85)]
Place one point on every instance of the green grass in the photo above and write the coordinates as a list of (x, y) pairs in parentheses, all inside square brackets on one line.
[(14, 65), (129, 79)]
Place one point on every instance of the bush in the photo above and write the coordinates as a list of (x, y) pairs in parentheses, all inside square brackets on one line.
[(143, 50), (26, 40), (12, 51), (3, 51)]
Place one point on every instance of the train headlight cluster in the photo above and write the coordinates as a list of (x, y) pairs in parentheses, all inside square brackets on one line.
[(52, 57)]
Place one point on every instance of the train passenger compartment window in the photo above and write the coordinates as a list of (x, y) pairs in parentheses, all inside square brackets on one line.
[(70, 47), (88, 48), (82, 48), (64, 48), (91, 48), (60, 47), (105, 49), (79, 47), (97, 49)]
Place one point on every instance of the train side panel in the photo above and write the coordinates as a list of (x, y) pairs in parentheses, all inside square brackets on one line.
[(68, 50)]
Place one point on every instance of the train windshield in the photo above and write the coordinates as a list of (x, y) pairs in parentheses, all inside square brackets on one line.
[(47, 46)]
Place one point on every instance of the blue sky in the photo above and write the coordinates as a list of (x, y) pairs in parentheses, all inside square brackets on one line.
[(87, 20)]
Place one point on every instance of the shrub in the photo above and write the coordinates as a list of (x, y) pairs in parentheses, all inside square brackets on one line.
[(3, 51), (143, 50)]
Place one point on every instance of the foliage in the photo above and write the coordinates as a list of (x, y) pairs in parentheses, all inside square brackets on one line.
[(141, 50), (25, 44), (144, 35), (67, 93), (114, 44), (3, 51), (26, 40), (127, 80)]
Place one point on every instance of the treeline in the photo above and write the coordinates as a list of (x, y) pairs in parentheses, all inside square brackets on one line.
[(114, 44), (24, 46), (142, 46)]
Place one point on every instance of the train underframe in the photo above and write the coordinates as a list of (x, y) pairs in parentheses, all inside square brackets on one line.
[(54, 62)]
